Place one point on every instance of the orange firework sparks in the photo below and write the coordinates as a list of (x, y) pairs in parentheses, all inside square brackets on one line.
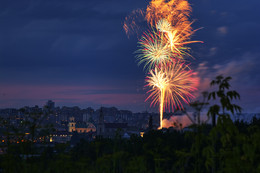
[(176, 37), (172, 18), (163, 50), (171, 85), (174, 11), (132, 22)]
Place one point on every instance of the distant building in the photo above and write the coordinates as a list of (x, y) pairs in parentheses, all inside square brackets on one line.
[(50, 105), (109, 130), (72, 124), (86, 117), (84, 127), (101, 124), (113, 129), (60, 137)]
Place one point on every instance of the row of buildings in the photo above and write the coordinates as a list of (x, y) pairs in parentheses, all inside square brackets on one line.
[(73, 122)]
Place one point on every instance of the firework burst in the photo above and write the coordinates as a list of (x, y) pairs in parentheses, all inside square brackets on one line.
[(163, 51), (153, 50), (164, 26), (176, 37), (174, 11), (171, 86), (172, 18), (164, 45)]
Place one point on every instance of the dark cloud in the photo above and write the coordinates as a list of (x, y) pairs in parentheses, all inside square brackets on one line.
[(54, 42)]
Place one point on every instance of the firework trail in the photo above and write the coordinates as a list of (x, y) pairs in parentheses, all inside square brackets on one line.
[(133, 21), (163, 49), (170, 86)]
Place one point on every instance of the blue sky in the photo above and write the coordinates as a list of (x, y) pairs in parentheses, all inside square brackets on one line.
[(77, 53)]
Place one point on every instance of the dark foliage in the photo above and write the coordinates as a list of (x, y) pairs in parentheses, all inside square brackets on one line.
[(237, 149)]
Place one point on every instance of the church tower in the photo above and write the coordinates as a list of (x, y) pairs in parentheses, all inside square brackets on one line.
[(101, 123), (72, 124)]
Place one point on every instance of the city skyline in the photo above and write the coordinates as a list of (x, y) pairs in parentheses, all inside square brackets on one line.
[(77, 54)]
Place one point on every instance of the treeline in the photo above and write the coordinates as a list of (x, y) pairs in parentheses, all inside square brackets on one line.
[(227, 147)]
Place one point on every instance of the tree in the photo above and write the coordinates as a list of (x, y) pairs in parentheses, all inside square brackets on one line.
[(225, 96)]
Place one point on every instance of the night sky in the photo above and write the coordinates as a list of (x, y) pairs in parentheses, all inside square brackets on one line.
[(77, 53)]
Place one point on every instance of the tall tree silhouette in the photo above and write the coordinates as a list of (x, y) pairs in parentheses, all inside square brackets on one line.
[(225, 96)]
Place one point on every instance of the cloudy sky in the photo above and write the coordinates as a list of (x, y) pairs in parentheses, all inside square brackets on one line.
[(76, 52)]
